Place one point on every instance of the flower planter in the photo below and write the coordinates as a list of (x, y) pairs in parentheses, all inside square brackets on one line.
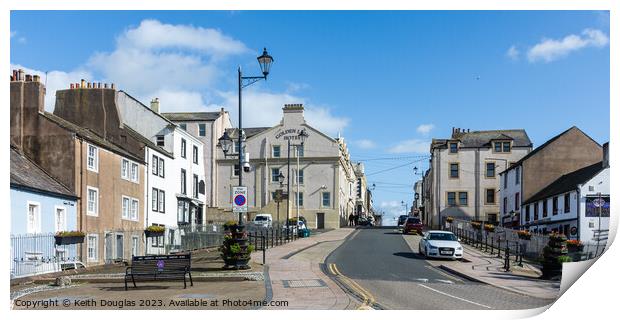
[(152, 234), (61, 241)]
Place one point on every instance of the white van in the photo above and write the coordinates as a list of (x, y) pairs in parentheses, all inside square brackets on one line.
[(263, 220)]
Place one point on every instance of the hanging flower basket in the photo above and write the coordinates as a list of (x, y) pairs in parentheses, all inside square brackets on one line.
[(68, 237), (524, 234), (449, 219), (574, 245), (476, 225), (489, 228), (154, 231)]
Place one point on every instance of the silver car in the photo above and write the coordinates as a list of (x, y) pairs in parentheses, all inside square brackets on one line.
[(441, 244)]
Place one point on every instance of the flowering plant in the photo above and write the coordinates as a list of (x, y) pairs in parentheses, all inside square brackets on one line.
[(70, 234), (476, 225)]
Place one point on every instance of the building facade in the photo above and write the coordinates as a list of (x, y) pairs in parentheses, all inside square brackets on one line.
[(326, 177), (568, 151), (463, 180)]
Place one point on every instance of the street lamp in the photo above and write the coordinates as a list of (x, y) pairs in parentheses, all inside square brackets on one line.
[(421, 197), (301, 136)]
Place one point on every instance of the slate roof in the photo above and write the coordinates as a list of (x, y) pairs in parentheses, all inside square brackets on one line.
[(26, 174), (90, 136), (147, 142), (191, 116), (249, 132), (483, 139), (542, 146), (567, 182)]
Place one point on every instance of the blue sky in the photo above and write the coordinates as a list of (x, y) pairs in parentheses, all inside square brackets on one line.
[(387, 81)]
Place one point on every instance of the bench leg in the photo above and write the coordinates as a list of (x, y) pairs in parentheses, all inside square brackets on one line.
[(190, 279), (184, 282), (125, 283), (134, 281)]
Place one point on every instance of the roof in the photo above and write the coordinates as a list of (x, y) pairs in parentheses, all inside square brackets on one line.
[(192, 116), (147, 142), (542, 146), (483, 139), (249, 132), (567, 182), (26, 174), (144, 106), (89, 135)]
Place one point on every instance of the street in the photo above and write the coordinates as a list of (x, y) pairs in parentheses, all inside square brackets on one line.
[(396, 277)]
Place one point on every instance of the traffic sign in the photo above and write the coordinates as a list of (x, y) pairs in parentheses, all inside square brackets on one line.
[(240, 199)]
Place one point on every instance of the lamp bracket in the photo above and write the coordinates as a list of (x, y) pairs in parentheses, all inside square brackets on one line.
[(248, 81)]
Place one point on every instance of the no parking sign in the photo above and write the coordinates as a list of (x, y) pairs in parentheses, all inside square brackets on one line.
[(239, 199)]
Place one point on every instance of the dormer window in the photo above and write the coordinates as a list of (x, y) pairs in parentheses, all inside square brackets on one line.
[(501, 146), (454, 147)]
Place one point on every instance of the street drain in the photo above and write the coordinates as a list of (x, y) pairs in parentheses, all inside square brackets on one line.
[(309, 283)]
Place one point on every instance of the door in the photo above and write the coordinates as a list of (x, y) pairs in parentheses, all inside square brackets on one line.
[(109, 247), (119, 246), (320, 220)]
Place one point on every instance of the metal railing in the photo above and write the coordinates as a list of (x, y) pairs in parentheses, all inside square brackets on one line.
[(263, 238), (38, 254)]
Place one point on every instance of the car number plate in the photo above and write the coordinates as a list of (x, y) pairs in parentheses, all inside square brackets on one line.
[(446, 252)]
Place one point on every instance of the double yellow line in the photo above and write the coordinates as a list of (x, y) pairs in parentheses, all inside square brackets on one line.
[(367, 299)]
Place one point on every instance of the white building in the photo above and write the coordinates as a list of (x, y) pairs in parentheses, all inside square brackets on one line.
[(463, 179), (326, 177), (175, 187)]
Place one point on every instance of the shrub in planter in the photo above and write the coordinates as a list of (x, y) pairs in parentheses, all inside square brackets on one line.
[(235, 250), (554, 254), (68, 237)]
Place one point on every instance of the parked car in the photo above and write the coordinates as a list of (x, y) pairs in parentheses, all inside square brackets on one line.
[(413, 225), (72, 265), (441, 244), (402, 219), (263, 220)]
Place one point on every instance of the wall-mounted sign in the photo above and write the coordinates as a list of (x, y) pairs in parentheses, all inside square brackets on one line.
[(596, 206), (239, 199), (289, 134)]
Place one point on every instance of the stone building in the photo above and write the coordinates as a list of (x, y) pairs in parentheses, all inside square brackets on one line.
[(462, 180), (326, 177)]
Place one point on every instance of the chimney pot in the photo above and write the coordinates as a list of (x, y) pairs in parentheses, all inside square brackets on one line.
[(71, 86), (105, 85), (82, 83), (155, 105), (112, 85), (15, 75), (98, 85), (20, 75), (88, 85), (28, 77), (36, 78)]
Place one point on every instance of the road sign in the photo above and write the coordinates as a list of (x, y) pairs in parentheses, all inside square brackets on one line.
[(240, 199)]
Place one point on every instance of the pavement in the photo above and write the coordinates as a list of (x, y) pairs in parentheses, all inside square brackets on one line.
[(294, 273), (387, 269), (486, 268)]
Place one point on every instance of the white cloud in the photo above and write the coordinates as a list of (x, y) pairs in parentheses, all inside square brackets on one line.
[(365, 143), (425, 128), (551, 49), (411, 146), (513, 53), (13, 33), (177, 100), (391, 209)]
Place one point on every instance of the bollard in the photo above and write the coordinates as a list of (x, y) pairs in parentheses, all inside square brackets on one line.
[(499, 247), (507, 258), (517, 252)]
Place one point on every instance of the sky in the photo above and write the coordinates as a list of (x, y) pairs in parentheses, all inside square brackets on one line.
[(386, 81)]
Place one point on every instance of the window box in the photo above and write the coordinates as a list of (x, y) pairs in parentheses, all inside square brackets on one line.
[(68, 237), (154, 231)]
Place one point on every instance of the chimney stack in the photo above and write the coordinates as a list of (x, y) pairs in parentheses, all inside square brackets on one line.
[(155, 105), (606, 155), (82, 83), (20, 75)]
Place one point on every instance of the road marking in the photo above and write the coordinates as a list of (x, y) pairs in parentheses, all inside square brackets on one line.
[(367, 298), (444, 281), (455, 297), (422, 280)]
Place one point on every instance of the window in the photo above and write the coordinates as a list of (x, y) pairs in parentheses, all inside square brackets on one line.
[(162, 201), (183, 212), (490, 196), (135, 205), (454, 147), (160, 140), (195, 154), (92, 207), (93, 247), (275, 173), (300, 151), (134, 246), (129, 170), (503, 147), (93, 158), (183, 182), (454, 170), (157, 242), (134, 172), (125, 169), (517, 202), (566, 202), (34, 218), (155, 165), (492, 218), (462, 198), (183, 146), (451, 198), (506, 181), (183, 126), (300, 176), (276, 151), (497, 146), (544, 213), (527, 213), (299, 199), (236, 170), (517, 175), (195, 186), (202, 129), (505, 205), (536, 211), (555, 205), (326, 199), (155, 200), (490, 170), (161, 168), (60, 218), (125, 207)]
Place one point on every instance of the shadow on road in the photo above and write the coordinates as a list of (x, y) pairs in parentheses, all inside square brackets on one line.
[(121, 287), (409, 255)]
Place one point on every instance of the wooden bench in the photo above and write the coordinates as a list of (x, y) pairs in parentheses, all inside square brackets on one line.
[(159, 268)]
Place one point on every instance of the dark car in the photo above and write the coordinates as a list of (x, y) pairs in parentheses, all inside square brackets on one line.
[(402, 219), (413, 225)]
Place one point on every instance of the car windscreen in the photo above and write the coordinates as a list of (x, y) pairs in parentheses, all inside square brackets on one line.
[(442, 236), (413, 220), (261, 218)]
